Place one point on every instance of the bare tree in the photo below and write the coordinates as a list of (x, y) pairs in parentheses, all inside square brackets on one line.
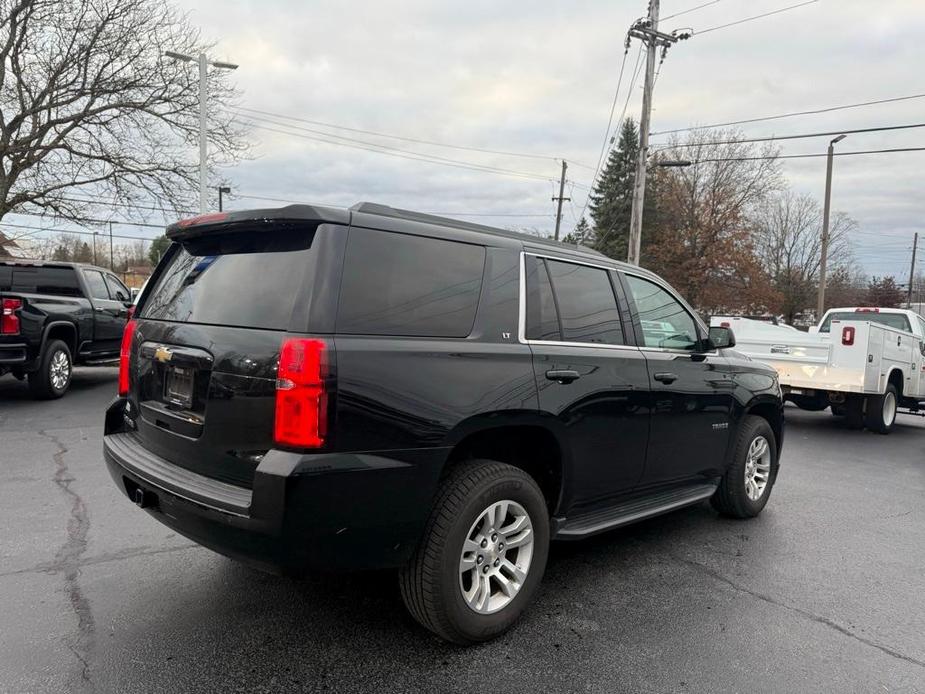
[(702, 242), (90, 107), (787, 236)]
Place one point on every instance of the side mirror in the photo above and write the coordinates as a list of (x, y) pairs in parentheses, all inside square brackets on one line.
[(722, 338)]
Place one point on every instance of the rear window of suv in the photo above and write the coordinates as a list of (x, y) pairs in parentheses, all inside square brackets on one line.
[(56, 281), (398, 284), (241, 279)]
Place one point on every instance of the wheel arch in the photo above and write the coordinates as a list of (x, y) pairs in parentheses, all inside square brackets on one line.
[(769, 409), (64, 331), (526, 440), (897, 378)]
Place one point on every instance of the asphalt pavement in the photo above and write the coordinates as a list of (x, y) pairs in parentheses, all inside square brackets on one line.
[(824, 592)]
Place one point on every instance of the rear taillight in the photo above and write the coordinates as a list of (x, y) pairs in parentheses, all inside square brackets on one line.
[(724, 324), (301, 401), (9, 321), (124, 353), (847, 335)]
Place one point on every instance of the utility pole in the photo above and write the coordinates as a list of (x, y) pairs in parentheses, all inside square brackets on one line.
[(112, 265), (646, 30), (824, 250), (204, 64), (560, 198), (915, 245)]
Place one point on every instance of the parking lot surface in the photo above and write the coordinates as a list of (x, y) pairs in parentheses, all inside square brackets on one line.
[(823, 592)]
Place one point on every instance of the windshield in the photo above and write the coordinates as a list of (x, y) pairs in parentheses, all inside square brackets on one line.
[(236, 279), (892, 320)]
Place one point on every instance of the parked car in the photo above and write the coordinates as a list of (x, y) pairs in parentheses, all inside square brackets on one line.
[(317, 388), (56, 315), (863, 362)]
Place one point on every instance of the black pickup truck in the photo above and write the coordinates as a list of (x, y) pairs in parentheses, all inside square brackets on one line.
[(55, 315)]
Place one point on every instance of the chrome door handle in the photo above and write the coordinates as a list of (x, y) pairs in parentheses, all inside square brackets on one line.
[(665, 378)]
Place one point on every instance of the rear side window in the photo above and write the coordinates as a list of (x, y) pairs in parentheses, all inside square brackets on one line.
[(96, 285), (586, 302), (58, 281), (241, 279), (117, 290), (542, 318), (397, 284)]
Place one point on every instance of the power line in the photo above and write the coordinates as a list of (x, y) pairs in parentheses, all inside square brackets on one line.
[(690, 9), (98, 234), (772, 138), (629, 95), (458, 214), (87, 220), (809, 156), (403, 138), (402, 154), (757, 16), (613, 108), (791, 114)]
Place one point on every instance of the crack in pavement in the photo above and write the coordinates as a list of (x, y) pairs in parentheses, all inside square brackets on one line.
[(67, 559), (819, 619), (122, 555)]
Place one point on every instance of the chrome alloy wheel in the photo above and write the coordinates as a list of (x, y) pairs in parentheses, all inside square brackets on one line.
[(59, 370), (757, 468), (496, 557), (889, 408)]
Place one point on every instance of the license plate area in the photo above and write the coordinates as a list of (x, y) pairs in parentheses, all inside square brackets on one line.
[(178, 387)]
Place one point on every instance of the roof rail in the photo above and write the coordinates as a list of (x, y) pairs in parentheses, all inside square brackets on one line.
[(374, 208)]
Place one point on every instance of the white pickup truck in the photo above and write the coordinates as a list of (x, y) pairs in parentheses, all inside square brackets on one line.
[(864, 363)]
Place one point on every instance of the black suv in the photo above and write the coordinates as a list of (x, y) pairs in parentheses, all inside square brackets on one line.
[(317, 388), (56, 314)]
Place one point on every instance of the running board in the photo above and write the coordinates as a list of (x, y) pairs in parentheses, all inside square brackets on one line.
[(591, 523)]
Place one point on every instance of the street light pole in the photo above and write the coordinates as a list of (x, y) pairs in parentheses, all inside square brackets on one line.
[(204, 64), (222, 190), (824, 250)]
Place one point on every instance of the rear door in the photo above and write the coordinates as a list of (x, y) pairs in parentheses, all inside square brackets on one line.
[(588, 375), (691, 391), (109, 314), (208, 337)]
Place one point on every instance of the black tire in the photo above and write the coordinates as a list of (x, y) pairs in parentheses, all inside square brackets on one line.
[(838, 410), (430, 582), (854, 411), (41, 383), (881, 410), (810, 404), (731, 498)]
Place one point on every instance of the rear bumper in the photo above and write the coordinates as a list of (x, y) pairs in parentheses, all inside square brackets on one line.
[(13, 354), (335, 511)]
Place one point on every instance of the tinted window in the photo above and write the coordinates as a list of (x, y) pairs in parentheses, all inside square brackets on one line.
[(892, 320), (239, 279), (586, 302), (395, 284), (542, 321), (96, 284), (117, 290), (665, 322), (60, 281)]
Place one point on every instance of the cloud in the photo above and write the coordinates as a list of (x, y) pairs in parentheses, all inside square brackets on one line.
[(539, 77)]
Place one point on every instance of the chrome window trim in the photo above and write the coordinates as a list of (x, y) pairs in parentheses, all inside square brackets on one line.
[(522, 309)]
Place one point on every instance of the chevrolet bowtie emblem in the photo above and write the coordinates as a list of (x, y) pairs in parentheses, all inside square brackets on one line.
[(163, 354)]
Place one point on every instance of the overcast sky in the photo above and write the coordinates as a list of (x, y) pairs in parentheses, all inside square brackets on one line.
[(538, 78)]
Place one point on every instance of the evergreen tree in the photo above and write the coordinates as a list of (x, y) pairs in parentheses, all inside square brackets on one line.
[(612, 197), (580, 235)]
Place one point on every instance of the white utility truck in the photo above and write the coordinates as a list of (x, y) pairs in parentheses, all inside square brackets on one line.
[(864, 363)]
